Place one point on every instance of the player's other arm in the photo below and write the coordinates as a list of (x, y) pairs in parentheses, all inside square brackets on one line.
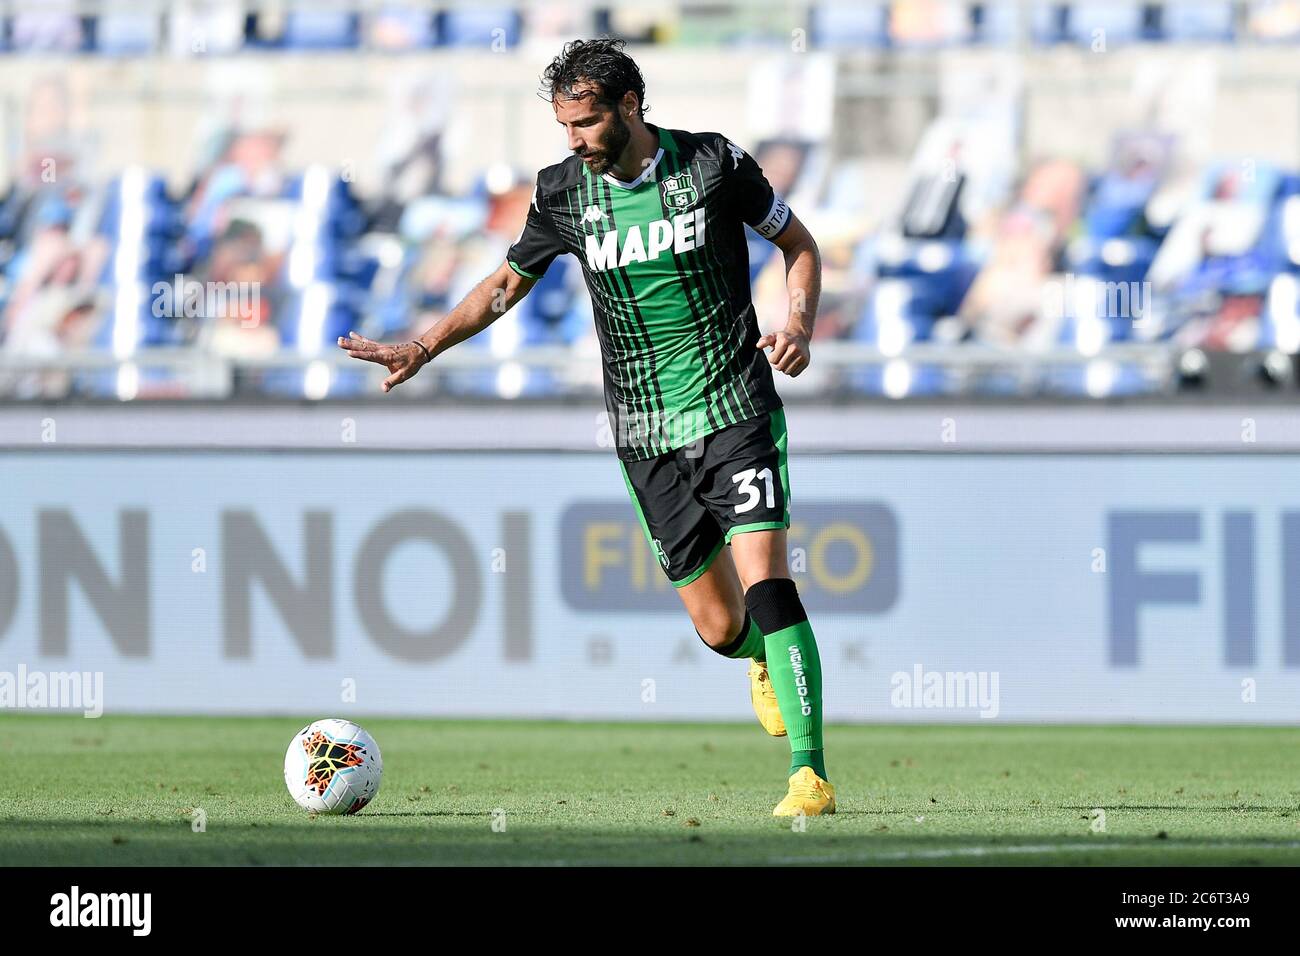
[(803, 279), (486, 302), (752, 198), (526, 261)]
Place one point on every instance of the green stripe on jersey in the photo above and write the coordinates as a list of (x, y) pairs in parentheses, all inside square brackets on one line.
[(660, 296), (666, 263)]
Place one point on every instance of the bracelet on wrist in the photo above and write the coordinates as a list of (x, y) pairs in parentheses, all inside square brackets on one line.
[(428, 356)]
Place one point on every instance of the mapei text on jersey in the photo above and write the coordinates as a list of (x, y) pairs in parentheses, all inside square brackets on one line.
[(614, 250)]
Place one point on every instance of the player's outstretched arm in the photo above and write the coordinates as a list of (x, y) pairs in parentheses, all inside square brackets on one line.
[(803, 278), (487, 302)]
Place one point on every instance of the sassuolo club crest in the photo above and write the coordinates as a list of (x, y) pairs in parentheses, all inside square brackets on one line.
[(679, 191)]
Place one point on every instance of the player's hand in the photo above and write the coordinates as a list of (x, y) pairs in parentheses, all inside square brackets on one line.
[(402, 361), (790, 352)]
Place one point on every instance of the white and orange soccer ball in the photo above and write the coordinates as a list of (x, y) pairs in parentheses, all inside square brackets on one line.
[(333, 766)]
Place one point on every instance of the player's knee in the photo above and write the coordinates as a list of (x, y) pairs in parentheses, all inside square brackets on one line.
[(718, 629), (774, 605)]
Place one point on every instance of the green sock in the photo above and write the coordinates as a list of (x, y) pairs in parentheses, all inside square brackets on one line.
[(752, 645), (796, 672), (809, 758)]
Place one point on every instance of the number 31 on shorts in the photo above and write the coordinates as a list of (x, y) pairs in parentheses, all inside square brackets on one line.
[(745, 479)]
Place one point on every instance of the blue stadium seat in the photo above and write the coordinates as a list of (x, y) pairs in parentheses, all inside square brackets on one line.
[(1117, 202), (326, 281), (553, 314), (1116, 246), (151, 323), (919, 282), (1287, 223), (127, 33), (1256, 182), (1250, 270), (54, 29), (940, 271), (481, 27), (308, 29), (155, 219), (998, 22), (1280, 315), (312, 319), (849, 26), (1198, 22), (1115, 21), (1279, 321)]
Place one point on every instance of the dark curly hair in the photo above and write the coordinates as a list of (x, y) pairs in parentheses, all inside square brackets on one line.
[(600, 62)]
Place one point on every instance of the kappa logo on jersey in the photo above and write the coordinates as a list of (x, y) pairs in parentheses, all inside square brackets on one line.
[(615, 250), (679, 191), (593, 214), (737, 154)]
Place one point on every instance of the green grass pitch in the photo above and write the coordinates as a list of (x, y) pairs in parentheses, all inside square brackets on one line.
[(121, 790)]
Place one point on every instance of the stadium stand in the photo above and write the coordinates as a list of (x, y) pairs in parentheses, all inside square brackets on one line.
[(1076, 258)]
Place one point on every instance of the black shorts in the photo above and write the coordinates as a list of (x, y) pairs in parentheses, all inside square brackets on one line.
[(692, 500)]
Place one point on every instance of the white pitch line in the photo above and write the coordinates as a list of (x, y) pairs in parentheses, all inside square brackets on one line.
[(1029, 849), (936, 854)]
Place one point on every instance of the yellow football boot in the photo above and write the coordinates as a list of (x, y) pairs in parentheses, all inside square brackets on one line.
[(809, 794), (761, 693)]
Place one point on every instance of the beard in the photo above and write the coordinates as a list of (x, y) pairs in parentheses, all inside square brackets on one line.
[(610, 146)]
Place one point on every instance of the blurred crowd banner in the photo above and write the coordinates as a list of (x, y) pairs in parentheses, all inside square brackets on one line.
[(943, 587)]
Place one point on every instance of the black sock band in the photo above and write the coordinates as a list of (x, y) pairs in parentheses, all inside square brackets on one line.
[(775, 605), (733, 645)]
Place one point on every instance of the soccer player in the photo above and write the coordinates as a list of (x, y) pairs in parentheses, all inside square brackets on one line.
[(657, 219)]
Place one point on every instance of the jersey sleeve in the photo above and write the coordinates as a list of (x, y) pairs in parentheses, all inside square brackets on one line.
[(537, 246), (750, 194)]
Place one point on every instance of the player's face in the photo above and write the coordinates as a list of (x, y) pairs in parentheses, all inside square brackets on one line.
[(597, 132)]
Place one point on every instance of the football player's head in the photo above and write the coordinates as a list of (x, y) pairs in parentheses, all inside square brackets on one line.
[(598, 95)]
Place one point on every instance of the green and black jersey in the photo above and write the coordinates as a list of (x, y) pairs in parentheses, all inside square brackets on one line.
[(667, 266)]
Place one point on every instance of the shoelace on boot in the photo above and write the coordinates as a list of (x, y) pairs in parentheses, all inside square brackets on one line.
[(803, 789)]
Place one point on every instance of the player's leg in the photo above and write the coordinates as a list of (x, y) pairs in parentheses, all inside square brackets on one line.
[(681, 533), (745, 483), (716, 603), (793, 662), (690, 547)]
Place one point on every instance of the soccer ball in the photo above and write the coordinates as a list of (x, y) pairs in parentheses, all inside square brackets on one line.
[(333, 766)]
